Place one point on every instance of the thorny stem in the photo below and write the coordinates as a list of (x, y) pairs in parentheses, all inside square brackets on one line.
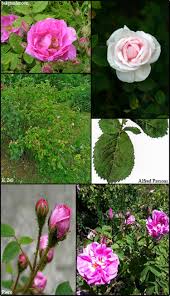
[(37, 248), (16, 282), (34, 272), (29, 263)]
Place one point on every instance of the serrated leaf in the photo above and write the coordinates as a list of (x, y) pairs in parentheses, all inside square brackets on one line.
[(109, 126), (10, 252), (114, 157), (64, 289), (7, 284), (153, 127), (39, 6), (36, 69), (15, 41), (7, 230), (6, 59), (132, 129), (27, 58), (25, 240)]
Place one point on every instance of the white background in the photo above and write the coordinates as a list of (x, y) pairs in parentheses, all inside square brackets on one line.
[(151, 156)]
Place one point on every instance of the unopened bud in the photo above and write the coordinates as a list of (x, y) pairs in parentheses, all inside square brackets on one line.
[(42, 210), (22, 262)]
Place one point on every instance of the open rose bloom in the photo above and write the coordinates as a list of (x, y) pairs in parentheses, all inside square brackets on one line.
[(131, 53), (98, 265), (7, 28), (158, 225), (51, 40)]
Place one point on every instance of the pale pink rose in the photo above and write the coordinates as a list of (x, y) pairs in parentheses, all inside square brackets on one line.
[(130, 220), (98, 265), (110, 214), (131, 53), (39, 282), (7, 28), (51, 40), (60, 220), (43, 246), (158, 225)]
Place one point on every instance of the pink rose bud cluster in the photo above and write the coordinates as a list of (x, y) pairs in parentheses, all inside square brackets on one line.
[(39, 282), (7, 27), (98, 265), (60, 220), (22, 262), (51, 40), (43, 246), (110, 214), (130, 219), (158, 224)]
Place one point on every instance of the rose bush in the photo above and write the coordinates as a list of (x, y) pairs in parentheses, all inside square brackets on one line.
[(131, 54)]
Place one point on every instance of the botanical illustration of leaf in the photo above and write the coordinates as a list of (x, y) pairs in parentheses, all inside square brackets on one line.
[(110, 126), (154, 128), (114, 156)]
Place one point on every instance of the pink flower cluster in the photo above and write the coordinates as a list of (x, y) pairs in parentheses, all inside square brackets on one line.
[(158, 224), (98, 265), (7, 27)]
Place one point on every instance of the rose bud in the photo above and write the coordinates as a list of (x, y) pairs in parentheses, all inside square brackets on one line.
[(22, 262), (39, 282), (59, 223), (46, 69), (127, 214), (110, 214), (43, 245), (42, 210)]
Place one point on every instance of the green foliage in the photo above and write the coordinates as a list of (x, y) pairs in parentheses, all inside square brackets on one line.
[(25, 240), (76, 14), (111, 97), (64, 289), (10, 252), (47, 125), (7, 230), (143, 262), (153, 127)]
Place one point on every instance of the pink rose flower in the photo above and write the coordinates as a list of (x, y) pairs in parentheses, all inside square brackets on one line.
[(51, 40), (110, 214), (6, 27), (60, 220), (130, 220), (43, 246), (131, 53), (98, 265), (39, 282), (22, 262), (158, 225)]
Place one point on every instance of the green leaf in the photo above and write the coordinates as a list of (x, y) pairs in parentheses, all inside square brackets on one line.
[(41, 16), (36, 69), (39, 6), (6, 59), (115, 246), (132, 129), (160, 97), (153, 127), (5, 48), (10, 252), (134, 102), (144, 274), (99, 56), (7, 230), (155, 271), (64, 289), (7, 284), (146, 85), (27, 58), (23, 9), (110, 126), (94, 40), (14, 61), (25, 240), (18, 22), (15, 42), (114, 156), (9, 268)]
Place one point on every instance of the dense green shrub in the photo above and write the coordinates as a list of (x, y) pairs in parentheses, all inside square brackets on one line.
[(112, 98), (38, 120), (143, 266)]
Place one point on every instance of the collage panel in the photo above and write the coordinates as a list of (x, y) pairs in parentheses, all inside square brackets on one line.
[(45, 36), (130, 59), (29, 212), (46, 128), (122, 240)]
